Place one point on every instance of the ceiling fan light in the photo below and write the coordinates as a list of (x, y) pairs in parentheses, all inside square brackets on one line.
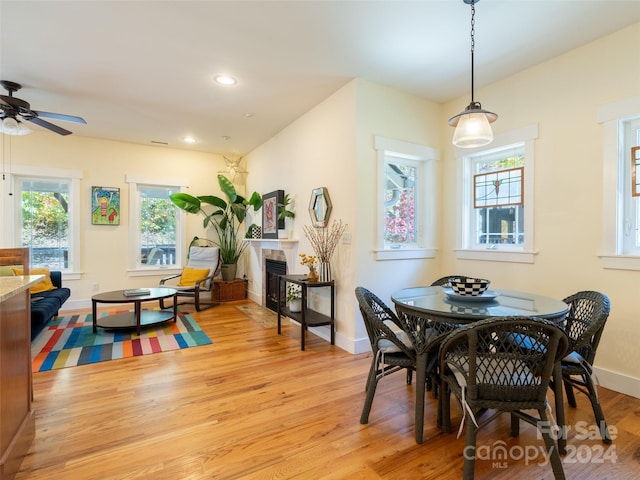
[(11, 126), (472, 130)]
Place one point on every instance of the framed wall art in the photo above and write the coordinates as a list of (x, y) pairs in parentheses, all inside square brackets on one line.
[(105, 206), (270, 222)]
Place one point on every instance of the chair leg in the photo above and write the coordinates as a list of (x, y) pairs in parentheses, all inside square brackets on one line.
[(554, 453), (559, 401), (409, 376), (372, 373), (571, 398), (597, 409), (470, 452), (444, 408), (515, 425), (368, 401)]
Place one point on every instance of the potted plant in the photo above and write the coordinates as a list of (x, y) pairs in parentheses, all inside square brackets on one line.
[(294, 297), (225, 219)]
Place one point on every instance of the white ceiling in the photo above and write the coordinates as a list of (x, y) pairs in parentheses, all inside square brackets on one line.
[(141, 71)]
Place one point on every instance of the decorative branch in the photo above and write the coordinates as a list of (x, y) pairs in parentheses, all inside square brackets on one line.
[(324, 240)]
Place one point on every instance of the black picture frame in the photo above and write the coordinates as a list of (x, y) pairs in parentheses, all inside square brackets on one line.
[(270, 222)]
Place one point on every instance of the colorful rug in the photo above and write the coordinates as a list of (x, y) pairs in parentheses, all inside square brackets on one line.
[(69, 341)]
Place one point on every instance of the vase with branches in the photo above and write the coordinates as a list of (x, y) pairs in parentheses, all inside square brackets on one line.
[(324, 241)]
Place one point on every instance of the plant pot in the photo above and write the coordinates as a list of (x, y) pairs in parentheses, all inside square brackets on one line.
[(295, 305), (228, 271)]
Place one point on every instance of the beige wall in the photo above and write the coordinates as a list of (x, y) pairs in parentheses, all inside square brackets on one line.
[(563, 96), (332, 146), (105, 249)]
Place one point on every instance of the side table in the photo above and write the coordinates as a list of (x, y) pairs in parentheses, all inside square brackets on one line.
[(307, 317), (227, 291)]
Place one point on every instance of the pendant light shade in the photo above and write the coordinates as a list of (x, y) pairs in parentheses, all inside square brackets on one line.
[(473, 127)]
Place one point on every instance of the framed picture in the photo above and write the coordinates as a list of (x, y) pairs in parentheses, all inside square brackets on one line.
[(105, 206), (270, 222)]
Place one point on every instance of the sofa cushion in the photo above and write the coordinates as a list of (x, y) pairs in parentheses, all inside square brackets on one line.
[(44, 285)]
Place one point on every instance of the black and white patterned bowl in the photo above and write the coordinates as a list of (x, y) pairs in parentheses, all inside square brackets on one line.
[(469, 287)]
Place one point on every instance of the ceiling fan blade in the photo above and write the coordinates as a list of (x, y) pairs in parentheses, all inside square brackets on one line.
[(60, 116), (49, 126)]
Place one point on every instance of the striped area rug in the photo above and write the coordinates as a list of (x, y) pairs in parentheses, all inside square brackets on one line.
[(69, 341)]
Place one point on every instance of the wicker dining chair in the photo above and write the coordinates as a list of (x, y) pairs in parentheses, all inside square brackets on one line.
[(584, 324), (392, 350), (498, 365)]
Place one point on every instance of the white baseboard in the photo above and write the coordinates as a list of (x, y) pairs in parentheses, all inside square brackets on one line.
[(617, 382)]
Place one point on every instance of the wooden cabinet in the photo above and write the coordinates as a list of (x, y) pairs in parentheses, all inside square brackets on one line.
[(307, 317), (228, 291), (17, 421)]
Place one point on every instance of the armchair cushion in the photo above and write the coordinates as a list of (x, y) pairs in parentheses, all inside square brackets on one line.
[(190, 276)]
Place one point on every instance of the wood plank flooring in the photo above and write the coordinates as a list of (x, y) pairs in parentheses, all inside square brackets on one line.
[(253, 406)]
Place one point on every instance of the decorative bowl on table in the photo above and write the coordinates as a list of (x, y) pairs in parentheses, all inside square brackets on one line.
[(469, 287)]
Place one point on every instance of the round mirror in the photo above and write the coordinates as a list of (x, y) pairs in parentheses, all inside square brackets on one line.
[(320, 207)]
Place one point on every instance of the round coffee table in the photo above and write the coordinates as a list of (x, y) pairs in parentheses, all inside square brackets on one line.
[(137, 318)]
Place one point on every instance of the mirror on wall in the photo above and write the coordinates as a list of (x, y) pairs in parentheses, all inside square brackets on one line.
[(320, 207)]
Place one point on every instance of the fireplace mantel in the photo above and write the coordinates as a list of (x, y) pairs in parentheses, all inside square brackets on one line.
[(277, 249), (289, 247)]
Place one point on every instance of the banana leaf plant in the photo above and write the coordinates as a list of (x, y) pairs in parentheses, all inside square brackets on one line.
[(225, 218)]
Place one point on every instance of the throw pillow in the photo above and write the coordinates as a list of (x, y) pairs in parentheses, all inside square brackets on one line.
[(43, 286), (190, 276)]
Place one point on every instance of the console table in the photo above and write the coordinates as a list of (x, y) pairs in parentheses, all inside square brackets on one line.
[(307, 317)]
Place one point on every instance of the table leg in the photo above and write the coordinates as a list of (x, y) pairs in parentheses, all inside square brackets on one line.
[(138, 309), (421, 378), (175, 307), (94, 312)]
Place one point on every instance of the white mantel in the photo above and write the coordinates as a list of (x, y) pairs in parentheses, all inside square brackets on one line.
[(289, 247)]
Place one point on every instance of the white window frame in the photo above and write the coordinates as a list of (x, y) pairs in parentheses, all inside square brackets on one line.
[(613, 174), (426, 220), (524, 253), (11, 203), (136, 269)]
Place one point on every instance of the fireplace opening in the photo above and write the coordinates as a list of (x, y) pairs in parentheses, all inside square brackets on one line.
[(273, 268)]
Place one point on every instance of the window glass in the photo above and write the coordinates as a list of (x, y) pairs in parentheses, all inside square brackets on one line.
[(497, 216), (44, 224), (158, 225), (400, 202)]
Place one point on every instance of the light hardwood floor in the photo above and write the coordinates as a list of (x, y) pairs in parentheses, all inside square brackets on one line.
[(253, 406)]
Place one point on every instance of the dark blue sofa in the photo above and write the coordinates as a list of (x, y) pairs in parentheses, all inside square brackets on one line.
[(45, 305)]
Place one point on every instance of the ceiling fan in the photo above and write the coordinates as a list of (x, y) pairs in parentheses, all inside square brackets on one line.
[(16, 109)]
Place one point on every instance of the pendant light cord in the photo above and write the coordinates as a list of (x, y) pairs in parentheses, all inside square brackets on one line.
[(473, 44)]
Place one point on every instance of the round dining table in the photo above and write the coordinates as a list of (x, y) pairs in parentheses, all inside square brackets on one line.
[(430, 313)]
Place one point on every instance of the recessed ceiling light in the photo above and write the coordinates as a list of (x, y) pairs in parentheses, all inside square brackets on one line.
[(189, 140), (225, 80), (248, 115), (226, 137)]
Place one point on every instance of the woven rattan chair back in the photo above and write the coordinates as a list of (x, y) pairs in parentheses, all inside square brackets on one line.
[(585, 321), (501, 364)]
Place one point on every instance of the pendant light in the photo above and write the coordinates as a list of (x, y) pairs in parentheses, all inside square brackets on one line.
[(472, 125)]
